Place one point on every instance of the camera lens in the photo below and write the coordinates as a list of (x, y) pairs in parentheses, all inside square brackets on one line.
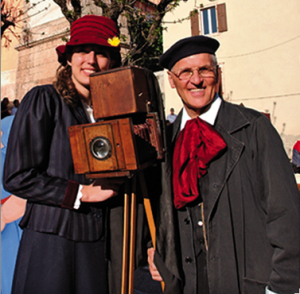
[(101, 148)]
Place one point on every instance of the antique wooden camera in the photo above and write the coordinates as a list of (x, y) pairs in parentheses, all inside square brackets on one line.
[(128, 133)]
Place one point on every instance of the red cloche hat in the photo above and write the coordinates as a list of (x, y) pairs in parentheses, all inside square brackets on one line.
[(92, 29)]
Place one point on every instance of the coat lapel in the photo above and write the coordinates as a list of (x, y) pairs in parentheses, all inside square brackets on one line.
[(79, 113), (219, 170), (176, 127)]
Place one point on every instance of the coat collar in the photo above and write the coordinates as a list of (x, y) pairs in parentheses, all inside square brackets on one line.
[(79, 113), (77, 110), (237, 120), (230, 118), (176, 126)]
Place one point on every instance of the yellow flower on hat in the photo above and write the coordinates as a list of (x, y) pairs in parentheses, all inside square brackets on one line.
[(115, 41)]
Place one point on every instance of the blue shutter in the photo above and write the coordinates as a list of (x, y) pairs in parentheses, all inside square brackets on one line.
[(213, 20), (205, 21)]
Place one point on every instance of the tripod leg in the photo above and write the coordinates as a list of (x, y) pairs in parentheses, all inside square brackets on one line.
[(125, 244), (132, 243), (149, 214)]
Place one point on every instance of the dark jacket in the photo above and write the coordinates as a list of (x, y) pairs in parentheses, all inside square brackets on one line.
[(39, 168), (251, 214)]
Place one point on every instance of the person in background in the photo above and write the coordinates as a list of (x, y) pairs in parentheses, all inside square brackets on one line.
[(227, 220), (72, 227), (296, 154), (15, 108), (172, 116), (4, 108), (12, 209)]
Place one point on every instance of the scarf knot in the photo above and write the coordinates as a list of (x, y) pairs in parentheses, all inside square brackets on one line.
[(196, 146)]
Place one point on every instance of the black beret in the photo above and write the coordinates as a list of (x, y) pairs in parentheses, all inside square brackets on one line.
[(186, 47)]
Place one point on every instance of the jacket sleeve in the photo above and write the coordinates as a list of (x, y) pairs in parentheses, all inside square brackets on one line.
[(28, 153), (281, 201)]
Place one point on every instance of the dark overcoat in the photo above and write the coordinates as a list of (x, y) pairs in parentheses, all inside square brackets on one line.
[(39, 168), (251, 213)]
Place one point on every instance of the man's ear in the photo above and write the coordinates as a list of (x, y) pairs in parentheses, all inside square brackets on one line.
[(171, 81), (218, 79)]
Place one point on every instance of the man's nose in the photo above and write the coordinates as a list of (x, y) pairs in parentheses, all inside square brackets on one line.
[(196, 78)]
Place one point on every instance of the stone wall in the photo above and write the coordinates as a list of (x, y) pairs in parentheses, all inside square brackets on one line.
[(37, 62)]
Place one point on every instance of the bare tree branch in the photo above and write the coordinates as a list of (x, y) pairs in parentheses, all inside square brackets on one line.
[(143, 20)]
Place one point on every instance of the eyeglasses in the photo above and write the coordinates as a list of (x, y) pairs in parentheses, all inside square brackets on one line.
[(204, 72)]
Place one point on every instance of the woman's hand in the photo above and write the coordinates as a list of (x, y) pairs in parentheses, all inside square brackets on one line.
[(101, 190), (11, 210)]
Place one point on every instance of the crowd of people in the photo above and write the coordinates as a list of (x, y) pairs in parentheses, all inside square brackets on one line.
[(6, 110), (225, 201)]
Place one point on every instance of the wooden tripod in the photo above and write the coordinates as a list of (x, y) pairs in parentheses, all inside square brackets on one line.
[(129, 232), (129, 229), (129, 223)]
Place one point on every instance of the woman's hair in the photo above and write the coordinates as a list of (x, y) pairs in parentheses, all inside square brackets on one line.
[(116, 56), (65, 86)]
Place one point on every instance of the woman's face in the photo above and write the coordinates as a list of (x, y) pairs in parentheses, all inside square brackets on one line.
[(85, 60)]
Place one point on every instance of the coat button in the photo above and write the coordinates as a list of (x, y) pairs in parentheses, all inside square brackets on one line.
[(200, 223), (187, 221), (188, 259), (97, 215)]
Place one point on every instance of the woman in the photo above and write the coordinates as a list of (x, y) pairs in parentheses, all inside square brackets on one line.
[(4, 108), (63, 247)]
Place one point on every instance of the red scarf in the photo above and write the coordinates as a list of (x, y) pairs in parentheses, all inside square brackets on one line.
[(197, 144)]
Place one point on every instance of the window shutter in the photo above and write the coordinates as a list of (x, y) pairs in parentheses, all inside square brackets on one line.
[(194, 23), (222, 20)]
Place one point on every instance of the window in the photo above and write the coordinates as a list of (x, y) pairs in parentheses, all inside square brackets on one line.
[(209, 20), (213, 20)]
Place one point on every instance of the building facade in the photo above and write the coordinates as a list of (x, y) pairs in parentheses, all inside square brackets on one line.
[(32, 60), (259, 55)]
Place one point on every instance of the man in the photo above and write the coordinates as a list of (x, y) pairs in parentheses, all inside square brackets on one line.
[(229, 221), (172, 116), (15, 108)]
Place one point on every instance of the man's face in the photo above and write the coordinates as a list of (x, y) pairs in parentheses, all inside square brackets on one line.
[(198, 92), (85, 60)]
